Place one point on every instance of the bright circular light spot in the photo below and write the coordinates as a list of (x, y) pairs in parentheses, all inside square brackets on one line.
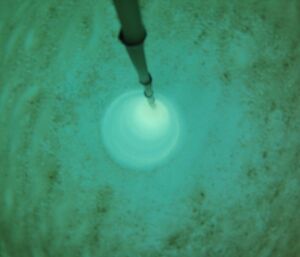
[(137, 135)]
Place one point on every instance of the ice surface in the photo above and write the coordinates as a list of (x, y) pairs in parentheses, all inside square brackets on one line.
[(230, 185)]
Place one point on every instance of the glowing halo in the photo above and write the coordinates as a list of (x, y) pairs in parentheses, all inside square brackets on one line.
[(137, 135)]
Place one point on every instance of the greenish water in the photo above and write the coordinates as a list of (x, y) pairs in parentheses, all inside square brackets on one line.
[(232, 189)]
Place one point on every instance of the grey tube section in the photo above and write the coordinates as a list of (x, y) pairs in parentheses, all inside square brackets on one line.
[(132, 35), (130, 18)]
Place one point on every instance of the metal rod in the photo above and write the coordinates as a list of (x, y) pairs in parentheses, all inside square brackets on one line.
[(133, 35)]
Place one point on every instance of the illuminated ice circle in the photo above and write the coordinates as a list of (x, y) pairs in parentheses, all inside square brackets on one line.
[(137, 135)]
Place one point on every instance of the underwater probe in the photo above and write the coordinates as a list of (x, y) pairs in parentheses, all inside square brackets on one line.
[(132, 35), (139, 133)]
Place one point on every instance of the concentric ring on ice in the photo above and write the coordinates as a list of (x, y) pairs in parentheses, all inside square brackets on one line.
[(137, 135)]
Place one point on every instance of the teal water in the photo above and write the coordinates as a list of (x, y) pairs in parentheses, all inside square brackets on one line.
[(232, 189)]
